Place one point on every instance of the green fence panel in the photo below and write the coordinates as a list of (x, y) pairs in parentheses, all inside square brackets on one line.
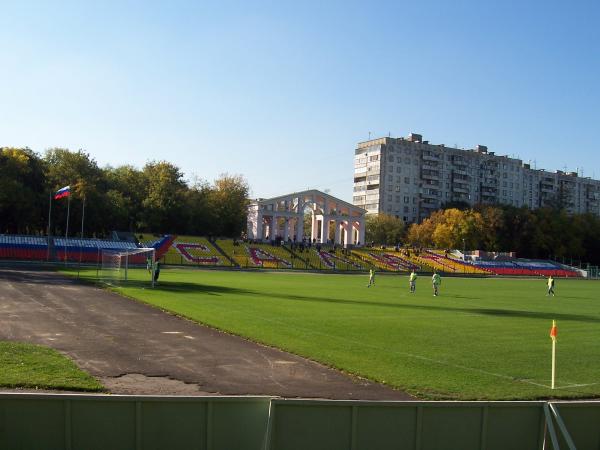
[(451, 427), (310, 425), (380, 427), (333, 425), (511, 425), (32, 424), (582, 420), (54, 421), (181, 425), (239, 423), (98, 424)]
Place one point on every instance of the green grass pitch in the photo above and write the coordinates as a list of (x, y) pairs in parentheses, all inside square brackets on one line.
[(480, 339), (37, 367)]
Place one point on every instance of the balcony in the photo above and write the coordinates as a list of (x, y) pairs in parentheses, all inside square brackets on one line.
[(430, 175), (489, 182), (431, 206), (430, 167), (461, 189), (430, 158), (431, 195), (460, 171)]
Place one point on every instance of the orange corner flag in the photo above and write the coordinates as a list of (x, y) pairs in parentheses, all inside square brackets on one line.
[(553, 331)]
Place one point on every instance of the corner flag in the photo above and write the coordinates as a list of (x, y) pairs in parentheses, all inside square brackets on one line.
[(553, 331), (553, 334)]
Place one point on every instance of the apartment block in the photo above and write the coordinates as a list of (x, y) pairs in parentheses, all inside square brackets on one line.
[(410, 178)]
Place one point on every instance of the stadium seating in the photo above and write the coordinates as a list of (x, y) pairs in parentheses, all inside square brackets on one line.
[(387, 260), (328, 258), (23, 247), (192, 250), (86, 250), (250, 255), (443, 262), (189, 250), (522, 267)]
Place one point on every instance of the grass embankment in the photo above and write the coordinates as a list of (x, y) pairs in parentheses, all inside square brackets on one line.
[(481, 339), (36, 367)]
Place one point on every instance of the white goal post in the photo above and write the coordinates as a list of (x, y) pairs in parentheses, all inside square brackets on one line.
[(117, 263)]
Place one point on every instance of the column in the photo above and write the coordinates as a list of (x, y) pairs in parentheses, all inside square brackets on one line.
[(361, 231), (286, 229), (299, 227), (300, 220), (324, 229), (314, 232), (347, 233), (259, 227), (336, 238), (273, 229)]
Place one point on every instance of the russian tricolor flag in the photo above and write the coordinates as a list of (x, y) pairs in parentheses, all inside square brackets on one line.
[(63, 192)]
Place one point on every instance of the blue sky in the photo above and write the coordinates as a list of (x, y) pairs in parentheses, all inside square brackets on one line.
[(282, 91)]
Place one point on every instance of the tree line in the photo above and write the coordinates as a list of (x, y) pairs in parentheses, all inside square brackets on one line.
[(540, 233), (155, 198)]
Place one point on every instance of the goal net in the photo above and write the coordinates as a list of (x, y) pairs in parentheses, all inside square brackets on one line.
[(132, 264)]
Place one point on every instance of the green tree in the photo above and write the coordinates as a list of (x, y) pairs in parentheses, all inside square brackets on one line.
[(164, 202), (126, 191), (229, 201), (23, 201), (384, 229), (200, 215)]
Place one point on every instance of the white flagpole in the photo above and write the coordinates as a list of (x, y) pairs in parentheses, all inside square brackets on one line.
[(553, 361), (67, 230), (49, 218), (81, 237), (553, 334)]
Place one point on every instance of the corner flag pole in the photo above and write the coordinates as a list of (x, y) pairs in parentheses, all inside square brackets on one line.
[(553, 334)]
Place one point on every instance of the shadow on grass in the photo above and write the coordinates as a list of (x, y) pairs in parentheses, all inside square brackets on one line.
[(206, 289)]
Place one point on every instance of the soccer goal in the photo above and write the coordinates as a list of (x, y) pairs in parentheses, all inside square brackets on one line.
[(131, 264)]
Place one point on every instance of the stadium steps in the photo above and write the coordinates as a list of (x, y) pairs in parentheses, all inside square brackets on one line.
[(329, 259), (389, 261), (296, 255), (198, 251), (258, 255), (225, 255), (452, 263)]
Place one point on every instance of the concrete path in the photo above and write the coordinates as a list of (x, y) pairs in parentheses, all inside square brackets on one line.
[(137, 349)]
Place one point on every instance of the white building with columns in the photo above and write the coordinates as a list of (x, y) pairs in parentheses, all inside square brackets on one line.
[(332, 220)]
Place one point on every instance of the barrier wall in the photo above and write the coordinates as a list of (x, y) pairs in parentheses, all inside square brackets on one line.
[(320, 425), (71, 421), (122, 422)]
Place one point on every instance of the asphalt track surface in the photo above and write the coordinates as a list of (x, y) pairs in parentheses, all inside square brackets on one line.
[(136, 349)]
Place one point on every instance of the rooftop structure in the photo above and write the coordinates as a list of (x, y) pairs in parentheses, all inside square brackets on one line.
[(283, 217)]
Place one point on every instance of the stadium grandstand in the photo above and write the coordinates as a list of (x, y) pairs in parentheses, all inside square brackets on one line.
[(202, 251)]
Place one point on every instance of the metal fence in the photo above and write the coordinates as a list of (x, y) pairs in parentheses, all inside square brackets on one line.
[(54, 421)]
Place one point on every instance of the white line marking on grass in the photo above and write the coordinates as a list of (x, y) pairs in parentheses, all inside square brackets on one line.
[(577, 385), (420, 357), (172, 332)]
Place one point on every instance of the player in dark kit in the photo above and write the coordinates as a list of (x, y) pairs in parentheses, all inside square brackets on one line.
[(156, 271)]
